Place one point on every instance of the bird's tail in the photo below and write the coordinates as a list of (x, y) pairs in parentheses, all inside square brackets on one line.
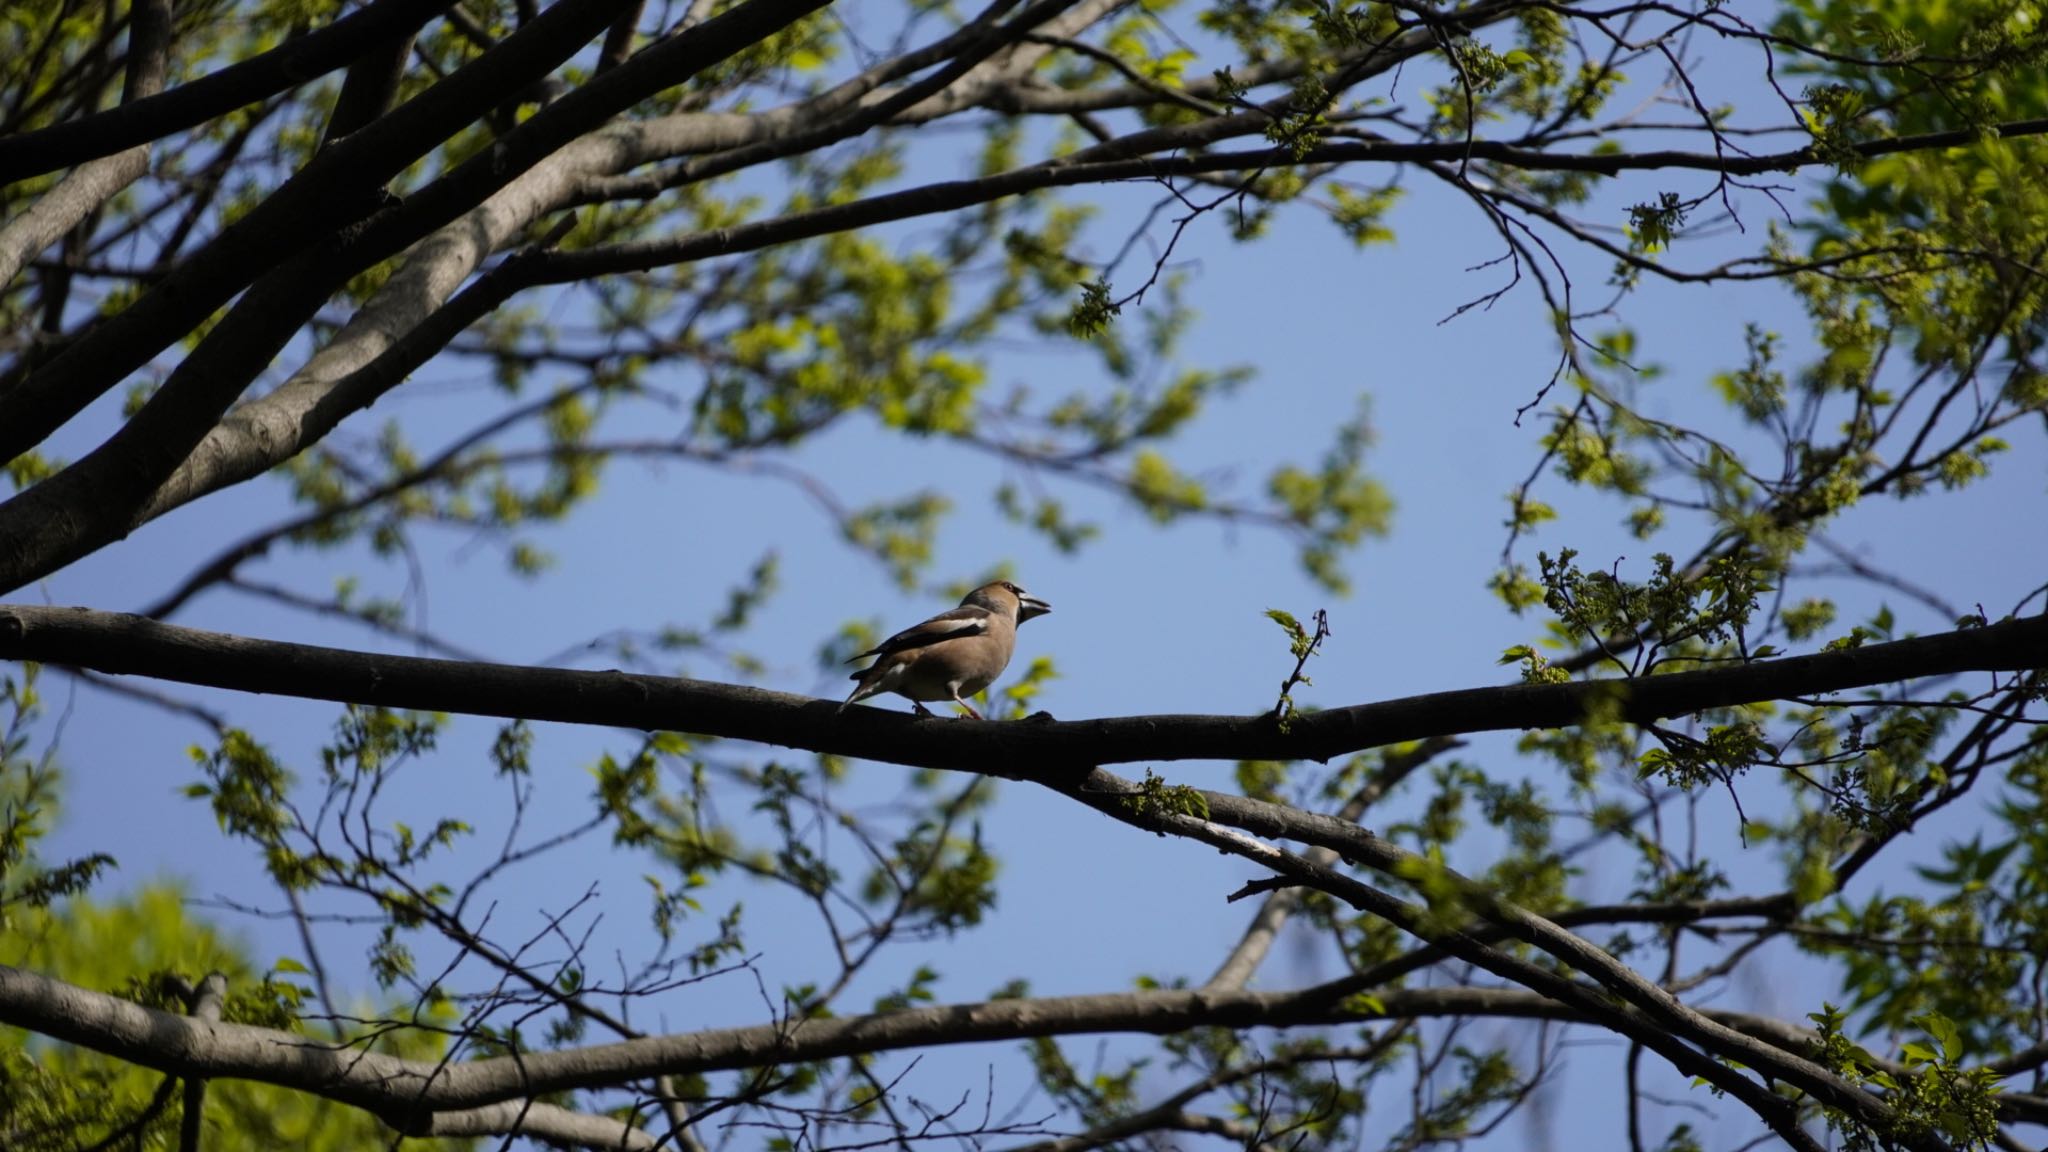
[(860, 691)]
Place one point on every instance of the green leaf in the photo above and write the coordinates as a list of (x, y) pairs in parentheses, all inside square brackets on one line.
[(1287, 623), (1944, 1031)]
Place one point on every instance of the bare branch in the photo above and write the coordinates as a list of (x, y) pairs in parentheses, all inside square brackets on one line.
[(131, 645)]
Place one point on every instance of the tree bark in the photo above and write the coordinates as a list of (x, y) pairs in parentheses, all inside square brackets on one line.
[(1029, 749)]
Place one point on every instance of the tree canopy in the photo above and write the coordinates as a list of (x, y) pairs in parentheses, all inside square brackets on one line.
[(310, 304)]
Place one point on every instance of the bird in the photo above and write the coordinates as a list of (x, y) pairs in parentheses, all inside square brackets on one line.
[(952, 655)]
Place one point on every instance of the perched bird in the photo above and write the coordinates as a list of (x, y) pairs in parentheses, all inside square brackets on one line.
[(952, 655)]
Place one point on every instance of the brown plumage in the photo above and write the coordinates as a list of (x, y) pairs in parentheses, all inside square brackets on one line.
[(952, 655)]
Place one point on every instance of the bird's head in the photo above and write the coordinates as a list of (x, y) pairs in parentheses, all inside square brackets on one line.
[(1007, 598)]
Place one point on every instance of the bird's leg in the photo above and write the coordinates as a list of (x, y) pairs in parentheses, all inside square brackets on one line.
[(966, 705), (918, 707)]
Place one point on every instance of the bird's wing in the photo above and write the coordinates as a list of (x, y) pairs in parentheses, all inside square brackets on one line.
[(950, 625)]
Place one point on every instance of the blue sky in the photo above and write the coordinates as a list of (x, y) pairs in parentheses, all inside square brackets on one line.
[(1147, 619)]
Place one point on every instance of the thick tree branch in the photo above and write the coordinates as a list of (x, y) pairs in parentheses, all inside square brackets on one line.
[(91, 502), (420, 1096), (78, 195), (535, 1119), (336, 189), (132, 645), (618, 40), (287, 66), (319, 404), (370, 87), (1087, 167), (47, 525), (248, 442), (83, 192), (406, 323), (406, 1091)]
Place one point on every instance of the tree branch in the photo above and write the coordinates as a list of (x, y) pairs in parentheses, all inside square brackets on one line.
[(132, 645), (41, 529), (406, 1091), (1087, 167), (255, 438), (85, 191), (1244, 959), (533, 1118), (287, 66), (204, 1004), (422, 1096), (337, 188), (1623, 1002)]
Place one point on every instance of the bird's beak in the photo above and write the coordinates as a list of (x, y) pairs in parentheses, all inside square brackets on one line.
[(1029, 606)]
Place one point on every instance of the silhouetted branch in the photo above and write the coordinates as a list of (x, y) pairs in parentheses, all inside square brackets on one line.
[(1031, 749)]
